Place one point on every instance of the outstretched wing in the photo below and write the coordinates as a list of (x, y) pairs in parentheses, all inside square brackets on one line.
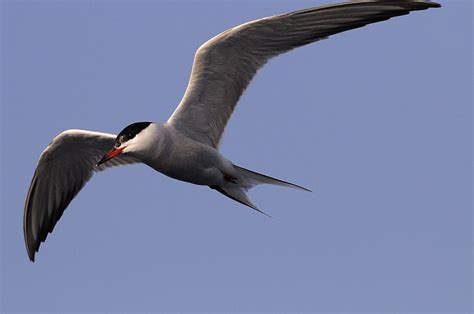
[(63, 169), (224, 65)]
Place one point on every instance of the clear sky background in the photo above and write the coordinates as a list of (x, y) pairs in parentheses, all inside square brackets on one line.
[(376, 121)]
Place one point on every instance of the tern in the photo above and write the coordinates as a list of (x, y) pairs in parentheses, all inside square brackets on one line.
[(186, 146)]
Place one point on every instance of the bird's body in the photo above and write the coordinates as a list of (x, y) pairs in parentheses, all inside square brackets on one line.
[(186, 146), (176, 155)]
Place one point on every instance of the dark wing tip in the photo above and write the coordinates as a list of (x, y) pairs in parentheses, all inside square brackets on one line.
[(31, 255), (411, 5), (428, 3), (432, 4), (30, 244), (35, 232)]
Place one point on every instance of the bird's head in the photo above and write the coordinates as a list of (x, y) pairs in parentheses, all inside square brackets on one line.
[(133, 139)]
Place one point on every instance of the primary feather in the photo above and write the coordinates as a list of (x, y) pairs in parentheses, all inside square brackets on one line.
[(63, 169), (224, 66)]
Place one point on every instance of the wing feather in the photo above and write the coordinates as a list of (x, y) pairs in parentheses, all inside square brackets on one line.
[(63, 169), (224, 66)]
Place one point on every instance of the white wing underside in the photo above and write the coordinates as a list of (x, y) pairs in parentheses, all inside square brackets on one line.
[(63, 169), (224, 66)]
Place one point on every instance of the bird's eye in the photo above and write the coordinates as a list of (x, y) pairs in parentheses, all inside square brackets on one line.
[(130, 135), (119, 142)]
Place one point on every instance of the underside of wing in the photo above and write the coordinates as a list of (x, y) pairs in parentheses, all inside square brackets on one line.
[(224, 65), (63, 169)]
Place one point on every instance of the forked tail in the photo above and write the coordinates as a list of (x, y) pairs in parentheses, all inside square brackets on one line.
[(247, 179), (251, 178)]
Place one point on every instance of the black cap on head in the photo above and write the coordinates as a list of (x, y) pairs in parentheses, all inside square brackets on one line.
[(130, 132)]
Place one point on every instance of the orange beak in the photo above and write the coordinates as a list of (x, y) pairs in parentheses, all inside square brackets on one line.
[(110, 154)]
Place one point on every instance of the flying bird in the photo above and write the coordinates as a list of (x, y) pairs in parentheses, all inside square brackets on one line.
[(186, 146)]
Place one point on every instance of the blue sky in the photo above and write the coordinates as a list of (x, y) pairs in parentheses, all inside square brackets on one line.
[(376, 121)]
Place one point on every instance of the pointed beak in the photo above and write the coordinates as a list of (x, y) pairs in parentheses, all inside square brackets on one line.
[(110, 154)]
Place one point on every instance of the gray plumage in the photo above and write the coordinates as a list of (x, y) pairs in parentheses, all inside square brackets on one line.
[(224, 66), (63, 169)]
